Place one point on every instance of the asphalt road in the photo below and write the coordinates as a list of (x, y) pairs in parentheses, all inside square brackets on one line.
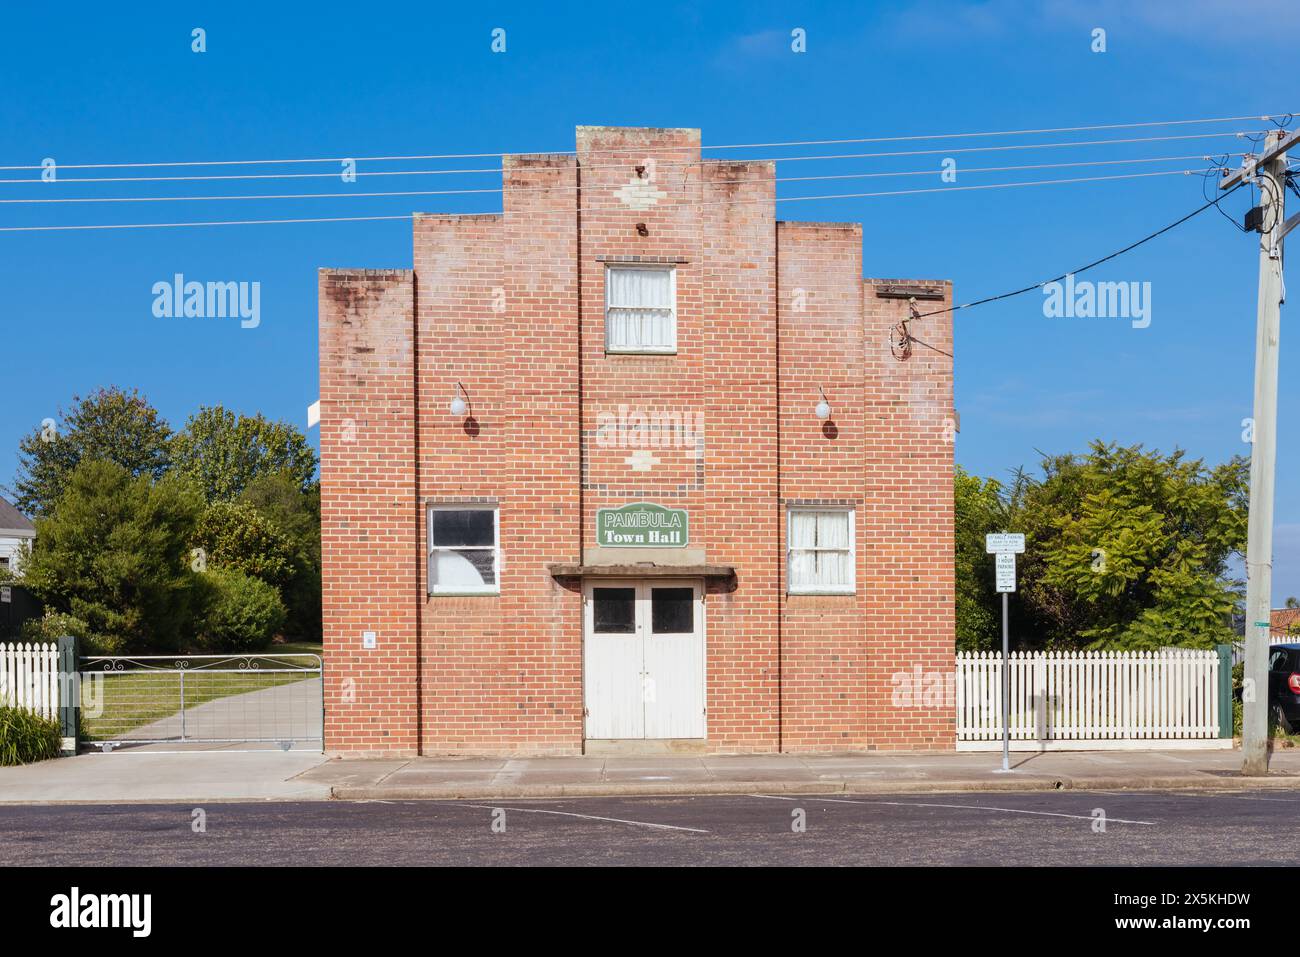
[(1038, 828)]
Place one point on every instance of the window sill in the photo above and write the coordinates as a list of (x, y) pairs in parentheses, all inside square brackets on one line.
[(464, 594), (822, 593), (640, 352)]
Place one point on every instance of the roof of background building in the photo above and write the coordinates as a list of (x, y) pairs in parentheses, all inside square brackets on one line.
[(1282, 618), (12, 520)]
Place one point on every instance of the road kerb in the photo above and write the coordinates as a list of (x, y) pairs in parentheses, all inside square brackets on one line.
[(843, 786)]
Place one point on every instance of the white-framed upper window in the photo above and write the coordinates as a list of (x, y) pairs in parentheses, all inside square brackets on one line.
[(819, 545), (640, 309), (464, 550)]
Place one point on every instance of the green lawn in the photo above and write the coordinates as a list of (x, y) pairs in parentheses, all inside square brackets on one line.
[(295, 648)]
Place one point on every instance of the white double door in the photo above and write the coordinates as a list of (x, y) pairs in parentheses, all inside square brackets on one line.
[(644, 659)]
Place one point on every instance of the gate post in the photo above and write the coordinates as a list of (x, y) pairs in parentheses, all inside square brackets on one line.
[(1225, 690), (69, 694)]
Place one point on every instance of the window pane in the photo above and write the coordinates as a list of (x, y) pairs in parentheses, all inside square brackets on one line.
[(613, 610), (640, 329), (832, 529), (803, 569), (834, 569), (634, 288), (803, 529), (468, 568), (672, 611), (463, 527)]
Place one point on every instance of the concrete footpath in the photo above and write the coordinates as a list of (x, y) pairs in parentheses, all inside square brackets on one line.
[(142, 775)]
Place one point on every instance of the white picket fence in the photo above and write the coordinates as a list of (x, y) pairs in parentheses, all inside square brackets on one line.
[(1090, 700), (29, 677)]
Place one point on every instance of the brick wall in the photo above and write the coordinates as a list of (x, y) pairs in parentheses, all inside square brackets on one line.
[(465, 664), (512, 306), (369, 517), (911, 592), (825, 638)]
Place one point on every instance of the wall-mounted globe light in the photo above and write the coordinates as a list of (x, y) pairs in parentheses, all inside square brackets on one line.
[(823, 409), (459, 405)]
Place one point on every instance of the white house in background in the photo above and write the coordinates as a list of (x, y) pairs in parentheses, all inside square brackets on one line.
[(16, 530)]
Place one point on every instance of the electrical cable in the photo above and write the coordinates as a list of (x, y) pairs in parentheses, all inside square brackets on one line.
[(728, 202), (1270, 117), (1082, 269), (586, 189), (661, 165)]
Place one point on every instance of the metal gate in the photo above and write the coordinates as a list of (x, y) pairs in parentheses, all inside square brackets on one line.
[(264, 700)]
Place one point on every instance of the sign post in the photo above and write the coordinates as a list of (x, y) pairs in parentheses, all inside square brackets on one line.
[(1005, 546)]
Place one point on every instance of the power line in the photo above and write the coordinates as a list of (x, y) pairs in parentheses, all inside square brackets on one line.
[(1081, 269), (730, 146), (236, 222), (662, 165), (1059, 129), (585, 189), (730, 202)]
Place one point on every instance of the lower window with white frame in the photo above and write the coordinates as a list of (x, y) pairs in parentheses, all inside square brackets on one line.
[(464, 550), (819, 543)]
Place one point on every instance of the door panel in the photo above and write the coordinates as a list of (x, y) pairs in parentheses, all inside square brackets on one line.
[(674, 663), (613, 664)]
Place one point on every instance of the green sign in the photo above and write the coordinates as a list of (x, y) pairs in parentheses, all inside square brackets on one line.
[(641, 525)]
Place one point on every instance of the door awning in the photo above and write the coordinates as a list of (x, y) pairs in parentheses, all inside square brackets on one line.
[(643, 570)]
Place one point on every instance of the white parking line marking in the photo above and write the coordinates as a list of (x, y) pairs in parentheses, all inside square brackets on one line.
[(965, 807), (589, 817), (1205, 794), (1248, 797)]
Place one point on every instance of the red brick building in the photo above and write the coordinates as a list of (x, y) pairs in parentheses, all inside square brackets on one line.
[(634, 460)]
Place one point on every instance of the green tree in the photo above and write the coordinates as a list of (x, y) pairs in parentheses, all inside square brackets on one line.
[(110, 424), (296, 514), (978, 511), (1128, 549), (245, 613), (225, 452), (113, 554), (234, 535)]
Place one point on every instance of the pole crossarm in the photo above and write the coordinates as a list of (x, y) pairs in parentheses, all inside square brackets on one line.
[(1251, 164)]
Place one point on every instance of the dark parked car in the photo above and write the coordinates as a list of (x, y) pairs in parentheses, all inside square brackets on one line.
[(1284, 686)]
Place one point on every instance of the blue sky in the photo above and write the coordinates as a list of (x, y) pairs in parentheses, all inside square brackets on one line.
[(121, 84)]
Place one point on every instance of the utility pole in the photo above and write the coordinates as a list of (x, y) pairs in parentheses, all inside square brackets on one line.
[(1270, 171)]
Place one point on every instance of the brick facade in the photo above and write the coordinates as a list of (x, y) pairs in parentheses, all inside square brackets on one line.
[(512, 306)]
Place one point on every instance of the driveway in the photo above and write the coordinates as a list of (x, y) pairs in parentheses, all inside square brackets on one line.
[(240, 768), (133, 775)]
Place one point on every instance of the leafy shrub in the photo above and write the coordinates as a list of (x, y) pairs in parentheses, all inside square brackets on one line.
[(296, 513), (54, 625), (113, 554), (244, 613), (234, 535), (26, 736)]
